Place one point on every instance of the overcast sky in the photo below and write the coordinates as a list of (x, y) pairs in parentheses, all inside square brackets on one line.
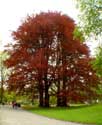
[(13, 11)]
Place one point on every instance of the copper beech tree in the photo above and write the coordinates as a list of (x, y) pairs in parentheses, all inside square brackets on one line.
[(46, 55)]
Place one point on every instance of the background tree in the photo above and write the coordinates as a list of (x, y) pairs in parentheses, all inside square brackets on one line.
[(97, 63), (90, 23), (3, 74), (90, 18)]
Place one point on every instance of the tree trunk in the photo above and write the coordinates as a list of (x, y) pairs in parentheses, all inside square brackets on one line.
[(2, 89), (1, 95), (61, 93), (64, 96), (41, 98), (46, 96), (32, 98), (46, 99), (58, 94)]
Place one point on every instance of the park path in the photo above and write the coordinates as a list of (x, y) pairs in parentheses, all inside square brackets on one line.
[(9, 116)]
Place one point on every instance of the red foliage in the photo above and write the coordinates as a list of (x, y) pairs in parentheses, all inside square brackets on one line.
[(45, 52)]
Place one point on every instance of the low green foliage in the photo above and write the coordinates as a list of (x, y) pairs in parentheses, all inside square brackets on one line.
[(85, 114)]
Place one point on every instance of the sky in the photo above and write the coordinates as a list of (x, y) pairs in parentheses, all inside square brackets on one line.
[(12, 12)]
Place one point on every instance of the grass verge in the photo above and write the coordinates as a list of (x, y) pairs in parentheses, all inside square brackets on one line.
[(82, 114)]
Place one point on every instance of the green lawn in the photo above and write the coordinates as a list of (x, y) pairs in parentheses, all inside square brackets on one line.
[(84, 114)]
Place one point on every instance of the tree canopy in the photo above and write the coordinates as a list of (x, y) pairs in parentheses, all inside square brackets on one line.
[(45, 56), (90, 17)]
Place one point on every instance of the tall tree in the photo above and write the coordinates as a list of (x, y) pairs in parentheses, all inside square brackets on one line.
[(45, 53), (90, 23)]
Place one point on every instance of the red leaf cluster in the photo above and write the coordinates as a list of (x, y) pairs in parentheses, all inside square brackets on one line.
[(46, 54)]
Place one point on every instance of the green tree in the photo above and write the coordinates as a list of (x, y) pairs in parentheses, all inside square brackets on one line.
[(97, 63), (90, 24), (3, 73), (90, 18)]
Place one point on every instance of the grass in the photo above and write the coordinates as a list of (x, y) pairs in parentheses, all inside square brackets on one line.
[(82, 114)]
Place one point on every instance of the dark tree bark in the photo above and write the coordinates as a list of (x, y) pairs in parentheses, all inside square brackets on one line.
[(41, 92), (46, 88), (46, 100)]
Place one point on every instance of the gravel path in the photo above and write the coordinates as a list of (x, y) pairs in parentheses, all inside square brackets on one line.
[(9, 116)]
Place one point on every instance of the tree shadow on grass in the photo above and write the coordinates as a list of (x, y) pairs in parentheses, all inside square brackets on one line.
[(71, 107)]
